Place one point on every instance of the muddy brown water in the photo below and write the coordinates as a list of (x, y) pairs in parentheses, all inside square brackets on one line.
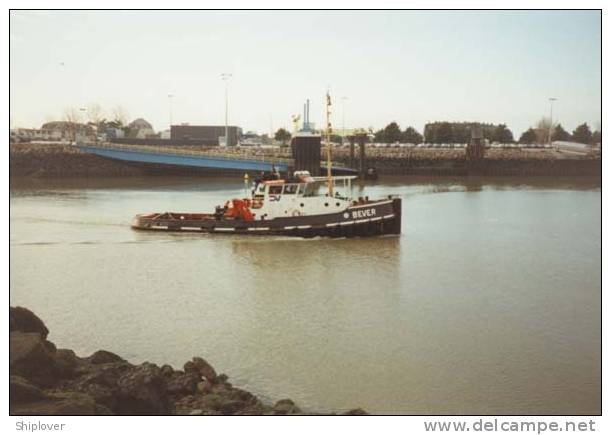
[(488, 303)]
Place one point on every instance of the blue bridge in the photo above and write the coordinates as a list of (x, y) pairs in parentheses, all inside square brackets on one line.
[(190, 158)]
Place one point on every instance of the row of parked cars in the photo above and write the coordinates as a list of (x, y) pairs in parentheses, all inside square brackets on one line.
[(458, 145)]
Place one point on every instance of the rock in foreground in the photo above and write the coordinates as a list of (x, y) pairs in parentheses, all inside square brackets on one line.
[(45, 380)]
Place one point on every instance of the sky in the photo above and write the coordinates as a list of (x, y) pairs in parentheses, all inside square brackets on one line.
[(411, 67)]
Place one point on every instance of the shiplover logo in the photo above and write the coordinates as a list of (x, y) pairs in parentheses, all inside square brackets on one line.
[(346, 215)]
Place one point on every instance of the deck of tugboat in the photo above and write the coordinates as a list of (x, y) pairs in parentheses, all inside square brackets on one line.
[(178, 216), (362, 218), (310, 179)]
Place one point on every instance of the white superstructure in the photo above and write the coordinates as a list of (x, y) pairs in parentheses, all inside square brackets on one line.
[(301, 197)]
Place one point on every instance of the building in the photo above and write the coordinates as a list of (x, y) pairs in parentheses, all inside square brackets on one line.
[(114, 133), (209, 134), (140, 129), (28, 134), (65, 130)]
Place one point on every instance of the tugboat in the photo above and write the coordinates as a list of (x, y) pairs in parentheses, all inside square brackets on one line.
[(290, 206)]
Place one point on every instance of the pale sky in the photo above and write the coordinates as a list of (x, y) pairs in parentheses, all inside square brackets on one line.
[(405, 66)]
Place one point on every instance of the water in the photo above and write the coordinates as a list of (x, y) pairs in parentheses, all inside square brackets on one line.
[(488, 303)]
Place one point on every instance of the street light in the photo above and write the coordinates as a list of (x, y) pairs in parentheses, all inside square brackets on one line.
[(226, 77), (551, 118), (84, 110), (170, 96), (344, 119)]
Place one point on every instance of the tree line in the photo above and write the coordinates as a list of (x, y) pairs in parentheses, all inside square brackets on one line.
[(392, 133), (541, 134), (95, 116), (460, 132)]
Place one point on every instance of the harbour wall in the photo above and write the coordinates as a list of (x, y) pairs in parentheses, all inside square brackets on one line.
[(57, 161), (486, 167), (29, 160)]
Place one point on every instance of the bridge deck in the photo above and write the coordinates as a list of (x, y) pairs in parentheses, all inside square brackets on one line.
[(189, 157), (184, 157)]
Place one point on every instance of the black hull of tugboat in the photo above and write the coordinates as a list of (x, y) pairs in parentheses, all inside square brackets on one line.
[(375, 218)]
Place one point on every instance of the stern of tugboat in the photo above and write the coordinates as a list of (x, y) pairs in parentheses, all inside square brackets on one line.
[(396, 225)]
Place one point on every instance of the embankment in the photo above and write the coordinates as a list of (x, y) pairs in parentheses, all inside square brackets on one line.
[(55, 160), (45, 380), (453, 162), (52, 160)]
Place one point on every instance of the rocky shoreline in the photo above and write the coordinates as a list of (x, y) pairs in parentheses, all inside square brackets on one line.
[(45, 380)]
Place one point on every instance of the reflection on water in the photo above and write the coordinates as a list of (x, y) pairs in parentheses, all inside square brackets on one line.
[(488, 302)]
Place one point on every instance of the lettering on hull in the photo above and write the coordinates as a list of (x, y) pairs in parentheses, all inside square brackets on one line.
[(359, 214), (361, 220)]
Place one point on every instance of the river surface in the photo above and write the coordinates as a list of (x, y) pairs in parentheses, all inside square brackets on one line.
[(488, 303)]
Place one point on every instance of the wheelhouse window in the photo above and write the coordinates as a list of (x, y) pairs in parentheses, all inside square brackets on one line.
[(290, 189), (310, 189), (275, 190)]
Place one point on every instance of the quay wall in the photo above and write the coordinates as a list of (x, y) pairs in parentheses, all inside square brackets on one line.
[(486, 167), (56, 160)]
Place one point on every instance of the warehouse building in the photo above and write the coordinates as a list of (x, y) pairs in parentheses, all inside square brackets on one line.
[(209, 134)]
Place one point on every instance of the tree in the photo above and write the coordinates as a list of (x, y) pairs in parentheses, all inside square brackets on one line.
[(336, 138), (119, 115), (392, 133), (560, 133), (282, 135), (529, 136), (72, 117), (445, 133), (378, 136), (502, 134), (461, 132), (597, 137), (95, 114), (410, 135), (542, 130), (582, 134)]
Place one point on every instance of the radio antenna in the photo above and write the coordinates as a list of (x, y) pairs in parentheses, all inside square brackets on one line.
[(329, 178)]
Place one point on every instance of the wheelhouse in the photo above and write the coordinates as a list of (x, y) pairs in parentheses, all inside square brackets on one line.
[(303, 188), (301, 195)]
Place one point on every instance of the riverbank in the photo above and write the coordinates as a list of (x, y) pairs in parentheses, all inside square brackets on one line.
[(45, 380), (55, 160), (453, 162)]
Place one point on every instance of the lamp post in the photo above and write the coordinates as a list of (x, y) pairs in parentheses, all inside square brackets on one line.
[(551, 118), (344, 119), (226, 77), (84, 110), (170, 96)]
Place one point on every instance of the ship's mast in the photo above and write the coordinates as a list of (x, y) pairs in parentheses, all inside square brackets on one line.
[(329, 178)]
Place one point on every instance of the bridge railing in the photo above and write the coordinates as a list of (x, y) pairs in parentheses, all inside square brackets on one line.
[(187, 152), (196, 153)]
